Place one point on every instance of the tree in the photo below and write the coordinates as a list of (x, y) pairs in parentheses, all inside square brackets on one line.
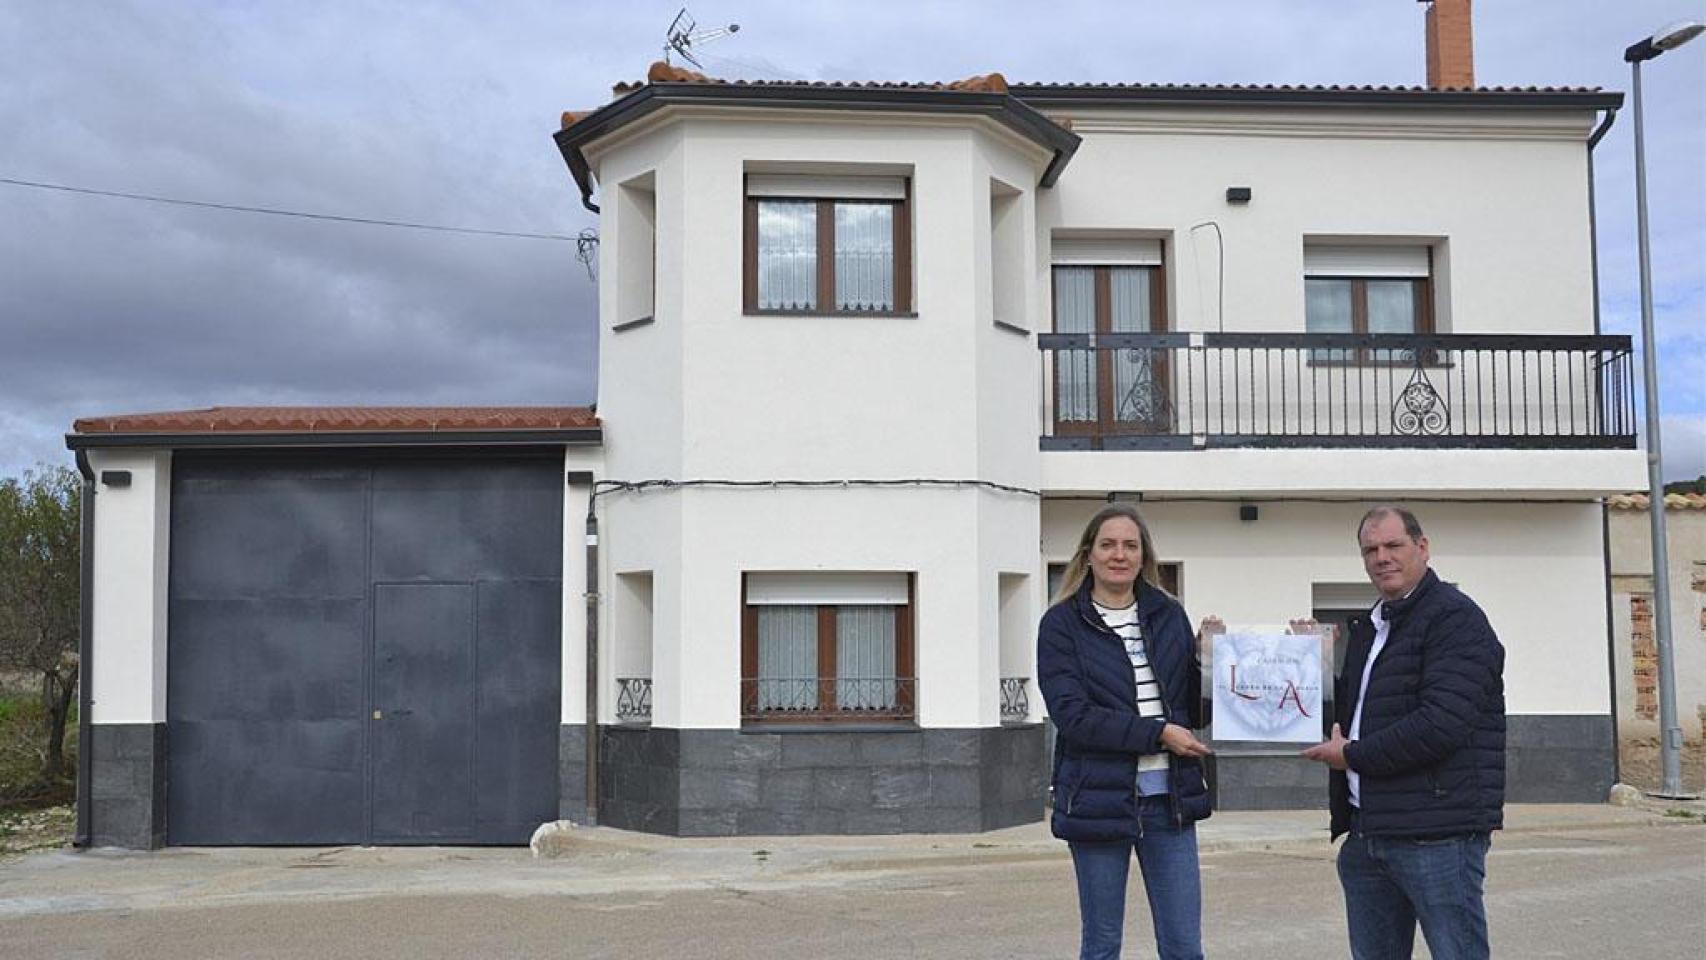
[(1686, 486), (39, 598)]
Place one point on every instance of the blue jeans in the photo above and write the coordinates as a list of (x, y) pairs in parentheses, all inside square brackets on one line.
[(1391, 883), (1167, 856)]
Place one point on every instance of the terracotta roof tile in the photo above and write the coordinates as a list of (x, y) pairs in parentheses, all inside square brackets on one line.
[(1020, 89), (335, 419), (661, 72), (1673, 501)]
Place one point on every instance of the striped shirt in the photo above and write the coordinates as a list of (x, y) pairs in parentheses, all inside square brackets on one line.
[(1151, 767)]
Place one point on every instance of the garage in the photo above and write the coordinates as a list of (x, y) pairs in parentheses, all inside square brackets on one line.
[(363, 646)]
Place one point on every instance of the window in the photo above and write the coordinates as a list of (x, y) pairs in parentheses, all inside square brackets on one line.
[(1110, 286), (827, 647), (636, 259), (827, 245), (1007, 266), (632, 646), (1366, 289)]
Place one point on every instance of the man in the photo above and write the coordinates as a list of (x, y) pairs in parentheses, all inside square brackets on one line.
[(1419, 784)]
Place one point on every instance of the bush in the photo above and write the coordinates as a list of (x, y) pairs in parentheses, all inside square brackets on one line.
[(22, 747)]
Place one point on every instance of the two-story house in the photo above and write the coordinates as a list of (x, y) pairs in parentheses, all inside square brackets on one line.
[(870, 355)]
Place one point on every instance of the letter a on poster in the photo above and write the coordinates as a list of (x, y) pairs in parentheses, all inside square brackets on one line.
[(1267, 687)]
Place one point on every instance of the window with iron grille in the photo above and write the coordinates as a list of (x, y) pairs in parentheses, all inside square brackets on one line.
[(1101, 286), (827, 647)]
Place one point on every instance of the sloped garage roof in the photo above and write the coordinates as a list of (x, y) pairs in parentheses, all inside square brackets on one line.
[(339, 426)]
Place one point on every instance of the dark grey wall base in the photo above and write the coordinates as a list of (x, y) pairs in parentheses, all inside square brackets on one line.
[(729, 782), (127, 785), (1548, 759), (1268, 783), (1565, 758)]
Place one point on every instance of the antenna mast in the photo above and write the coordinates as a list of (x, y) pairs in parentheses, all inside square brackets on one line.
[(684, 32)]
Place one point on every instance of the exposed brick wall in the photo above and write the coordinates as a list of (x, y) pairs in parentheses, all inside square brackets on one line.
[(1645, 651), (1451, 45), (1700, 587)]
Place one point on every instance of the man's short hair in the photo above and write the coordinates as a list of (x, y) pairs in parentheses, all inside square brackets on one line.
[(1412, 526)]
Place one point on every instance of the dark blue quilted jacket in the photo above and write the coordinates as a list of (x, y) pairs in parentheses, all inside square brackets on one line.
[(1087, 682), (1431, 748)]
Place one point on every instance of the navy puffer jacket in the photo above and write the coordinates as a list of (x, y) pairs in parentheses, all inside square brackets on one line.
[(1431, 747), (1086, 680)]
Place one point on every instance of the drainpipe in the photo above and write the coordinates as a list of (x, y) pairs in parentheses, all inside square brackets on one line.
[(85, 647), (592, 658), (1604, 510)]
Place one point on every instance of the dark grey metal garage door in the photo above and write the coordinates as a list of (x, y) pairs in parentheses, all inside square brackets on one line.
[(363, 650)]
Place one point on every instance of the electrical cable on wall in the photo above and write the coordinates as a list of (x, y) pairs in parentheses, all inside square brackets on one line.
[(1220, 260)]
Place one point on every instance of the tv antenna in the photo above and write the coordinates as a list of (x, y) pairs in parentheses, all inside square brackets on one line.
[(684, 32)]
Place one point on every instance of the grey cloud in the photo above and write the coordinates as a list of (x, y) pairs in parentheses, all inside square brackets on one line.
[(442, 112)]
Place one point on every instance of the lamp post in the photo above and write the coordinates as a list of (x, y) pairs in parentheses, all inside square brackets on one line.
[(1670, 734)]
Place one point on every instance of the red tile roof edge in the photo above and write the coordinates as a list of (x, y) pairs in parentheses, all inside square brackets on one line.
[(661, 72), (1673, 501), (333, 419)]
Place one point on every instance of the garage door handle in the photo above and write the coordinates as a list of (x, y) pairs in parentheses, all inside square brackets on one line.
[(380, 714)]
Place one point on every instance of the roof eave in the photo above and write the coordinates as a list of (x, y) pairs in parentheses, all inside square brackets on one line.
[(1005, 109), (1056, 96), (570, 437)]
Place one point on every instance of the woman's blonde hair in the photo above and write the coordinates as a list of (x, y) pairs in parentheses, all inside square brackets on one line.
[(1079, 567)]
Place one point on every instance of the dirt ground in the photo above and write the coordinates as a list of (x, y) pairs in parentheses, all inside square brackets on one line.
[(1641, 766), (22, 831)]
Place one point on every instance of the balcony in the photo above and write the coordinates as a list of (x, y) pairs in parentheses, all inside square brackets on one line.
[(1197, 391)]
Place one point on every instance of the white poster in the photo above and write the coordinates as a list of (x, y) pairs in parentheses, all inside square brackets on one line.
[(1267, 686)]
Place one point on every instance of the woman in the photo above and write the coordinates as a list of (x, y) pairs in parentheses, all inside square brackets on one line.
[(1118, 668)]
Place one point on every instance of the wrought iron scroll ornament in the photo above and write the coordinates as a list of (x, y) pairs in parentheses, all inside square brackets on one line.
[(634, 698), (1418, 410), (1143, 401), (1015, 702)]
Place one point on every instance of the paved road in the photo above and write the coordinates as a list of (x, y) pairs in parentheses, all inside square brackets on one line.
[(1608, 891)]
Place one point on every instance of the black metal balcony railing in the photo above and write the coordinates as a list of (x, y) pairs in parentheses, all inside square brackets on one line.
[(633, 699), (823, 698), (1184, 391), (1015, 702)]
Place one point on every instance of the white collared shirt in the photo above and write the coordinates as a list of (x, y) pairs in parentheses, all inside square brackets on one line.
[(1381, 629)]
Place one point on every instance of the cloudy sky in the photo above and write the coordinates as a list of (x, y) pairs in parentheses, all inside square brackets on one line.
[(442, 113)]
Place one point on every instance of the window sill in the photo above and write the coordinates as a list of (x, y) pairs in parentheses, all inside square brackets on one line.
[(631, 324), (828, 726), (832, 314)]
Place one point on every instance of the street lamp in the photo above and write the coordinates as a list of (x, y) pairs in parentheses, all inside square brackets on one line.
[(1670, 734)]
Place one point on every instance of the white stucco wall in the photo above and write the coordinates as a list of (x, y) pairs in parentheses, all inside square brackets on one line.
[(132, 552), (707, 392), (1535, 569), (1553, 474), (1631, 573), (1506, 192), (575, 497)]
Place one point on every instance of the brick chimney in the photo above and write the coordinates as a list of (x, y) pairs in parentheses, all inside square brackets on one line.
[(1451, 45)]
